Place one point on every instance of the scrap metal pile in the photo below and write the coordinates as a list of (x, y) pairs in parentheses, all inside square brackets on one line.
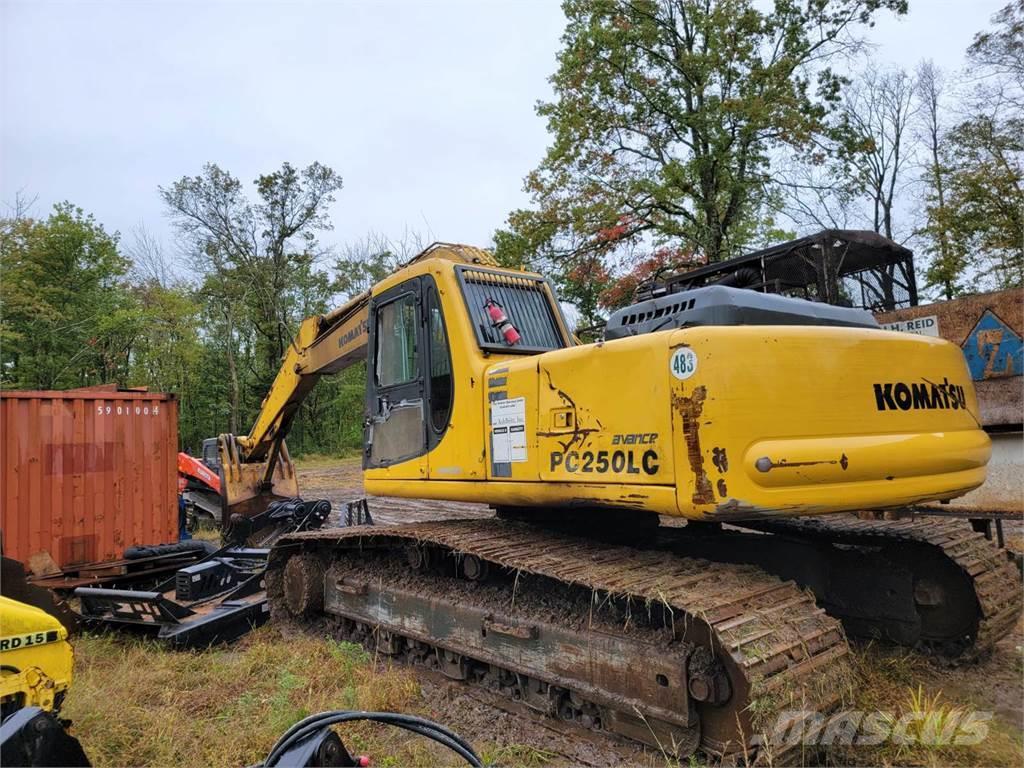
[(217, 599)]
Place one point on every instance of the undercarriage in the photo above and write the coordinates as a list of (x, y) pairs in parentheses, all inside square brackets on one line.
[(691, 638), (678, 653)]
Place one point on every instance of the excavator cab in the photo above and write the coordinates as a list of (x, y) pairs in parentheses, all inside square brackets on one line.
[(427, 333), (431, 338)]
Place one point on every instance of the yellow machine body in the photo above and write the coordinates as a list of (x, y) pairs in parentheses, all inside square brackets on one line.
[(770, 421), (35, 657), (715, 422)]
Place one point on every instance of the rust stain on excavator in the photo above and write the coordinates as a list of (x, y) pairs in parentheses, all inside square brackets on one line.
[(735, 509), (579, 434), (689, 409), (765, 464)]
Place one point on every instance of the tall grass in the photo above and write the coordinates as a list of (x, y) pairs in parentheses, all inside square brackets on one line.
[(133, 702)]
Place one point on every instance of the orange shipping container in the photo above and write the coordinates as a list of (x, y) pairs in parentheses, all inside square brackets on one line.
[(86, 473)]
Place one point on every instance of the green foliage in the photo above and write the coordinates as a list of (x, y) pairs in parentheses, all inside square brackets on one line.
[(666, 116), (261, 276), (73, 312), (258, 258), (985, 204), (974, 214), (67, 318)]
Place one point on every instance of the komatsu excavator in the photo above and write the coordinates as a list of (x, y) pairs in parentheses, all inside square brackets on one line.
[(712, 406)]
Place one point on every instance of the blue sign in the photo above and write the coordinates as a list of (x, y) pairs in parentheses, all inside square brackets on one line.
[(993, 349)]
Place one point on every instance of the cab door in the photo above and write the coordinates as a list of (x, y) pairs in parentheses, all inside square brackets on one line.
[(396, 424)]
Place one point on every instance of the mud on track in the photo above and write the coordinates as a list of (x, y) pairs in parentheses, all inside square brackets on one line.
[(517, 736)]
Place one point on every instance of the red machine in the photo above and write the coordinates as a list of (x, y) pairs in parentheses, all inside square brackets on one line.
[(199, 487)]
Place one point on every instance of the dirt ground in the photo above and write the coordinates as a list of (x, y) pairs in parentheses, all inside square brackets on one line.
[(521, 737)]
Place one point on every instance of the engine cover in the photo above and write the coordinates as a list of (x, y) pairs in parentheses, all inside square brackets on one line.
[(719, 305)]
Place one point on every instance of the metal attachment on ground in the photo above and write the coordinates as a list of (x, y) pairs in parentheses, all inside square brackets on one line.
[(311, 744), (358, 513), (33, 737), (280, 517), (217, 600)]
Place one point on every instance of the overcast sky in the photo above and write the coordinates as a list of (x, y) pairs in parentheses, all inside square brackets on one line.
[(426, 109)]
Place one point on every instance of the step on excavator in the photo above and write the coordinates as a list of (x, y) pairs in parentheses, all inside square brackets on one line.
[(672, 556)]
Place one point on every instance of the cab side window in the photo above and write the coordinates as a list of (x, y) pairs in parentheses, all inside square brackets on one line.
[(397, 354), (441, 389)]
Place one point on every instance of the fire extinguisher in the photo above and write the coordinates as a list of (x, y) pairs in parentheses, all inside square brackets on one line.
[(500, 321)]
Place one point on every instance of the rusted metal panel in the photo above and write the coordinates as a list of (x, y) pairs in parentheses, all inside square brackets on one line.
[(86, 474)]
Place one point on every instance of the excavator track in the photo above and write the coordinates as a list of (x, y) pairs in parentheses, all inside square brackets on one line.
[(679, 653), (965, 594)]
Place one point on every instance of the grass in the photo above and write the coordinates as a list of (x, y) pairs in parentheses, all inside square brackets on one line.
[(888, 681), (323, 460), (516, 754), (133, 702)]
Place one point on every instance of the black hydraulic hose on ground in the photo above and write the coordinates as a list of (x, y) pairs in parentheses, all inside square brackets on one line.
[(418, 725)]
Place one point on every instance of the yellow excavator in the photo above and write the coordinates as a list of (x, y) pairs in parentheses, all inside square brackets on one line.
[(753, 418)]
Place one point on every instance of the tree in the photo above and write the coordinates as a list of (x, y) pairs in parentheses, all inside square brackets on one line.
[(983, 155), (876, 145), (999, 53), (666, 116), (253, 255), (169, 355), (264, 244), (369, 260), (68, 317), (985, 204), (948, 257)]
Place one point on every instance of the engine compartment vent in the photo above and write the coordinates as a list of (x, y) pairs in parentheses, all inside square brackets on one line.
[(720, 305)]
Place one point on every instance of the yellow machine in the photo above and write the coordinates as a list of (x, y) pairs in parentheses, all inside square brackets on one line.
[(707, 423), (36, 663), (715, 405), (35, 658)]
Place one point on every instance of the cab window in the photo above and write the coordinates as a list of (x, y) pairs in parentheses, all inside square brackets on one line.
[(397, 354), (440, 364)]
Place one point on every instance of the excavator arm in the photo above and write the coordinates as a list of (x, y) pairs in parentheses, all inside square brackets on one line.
[(256, 468)]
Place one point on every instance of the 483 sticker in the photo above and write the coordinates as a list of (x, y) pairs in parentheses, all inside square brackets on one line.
[(683, 363)]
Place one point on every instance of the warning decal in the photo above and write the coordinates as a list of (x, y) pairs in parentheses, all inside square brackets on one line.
[(508, 430)]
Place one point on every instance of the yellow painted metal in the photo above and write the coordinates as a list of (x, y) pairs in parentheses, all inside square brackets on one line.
[(709, 423), (610, 424), (35, 656), (787, 421)]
